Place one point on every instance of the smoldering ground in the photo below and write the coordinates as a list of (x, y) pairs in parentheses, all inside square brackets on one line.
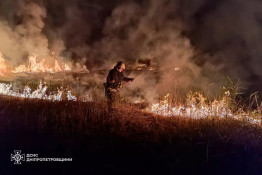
[(207, 40)]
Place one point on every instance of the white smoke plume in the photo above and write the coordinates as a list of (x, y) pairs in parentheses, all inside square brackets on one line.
[(205, 39)]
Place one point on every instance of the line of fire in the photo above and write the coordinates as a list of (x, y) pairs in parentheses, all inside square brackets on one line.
[(130, 87)]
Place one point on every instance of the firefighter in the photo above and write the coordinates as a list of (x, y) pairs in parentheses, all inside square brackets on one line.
[(113, 84)]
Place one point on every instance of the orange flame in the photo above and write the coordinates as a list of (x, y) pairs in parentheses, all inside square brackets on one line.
[(39, 66), (3, 67)]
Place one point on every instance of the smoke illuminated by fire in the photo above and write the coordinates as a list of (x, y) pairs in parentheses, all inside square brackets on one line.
[(134, 30)]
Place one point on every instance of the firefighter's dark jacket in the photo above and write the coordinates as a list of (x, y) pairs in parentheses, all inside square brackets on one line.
[(114, 78)]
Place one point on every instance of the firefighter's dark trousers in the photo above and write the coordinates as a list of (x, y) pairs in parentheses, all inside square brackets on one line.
[(113, 99)]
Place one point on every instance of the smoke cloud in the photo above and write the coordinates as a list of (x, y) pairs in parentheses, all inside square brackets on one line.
[(207, 40)]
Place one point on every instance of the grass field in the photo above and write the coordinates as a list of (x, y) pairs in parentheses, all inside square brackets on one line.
[(125, 141)]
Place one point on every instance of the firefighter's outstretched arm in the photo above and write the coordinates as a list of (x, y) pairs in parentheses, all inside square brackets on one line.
[(126, 78)]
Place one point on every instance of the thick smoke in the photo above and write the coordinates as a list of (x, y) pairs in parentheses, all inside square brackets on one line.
[(207, 40), (21, 30)]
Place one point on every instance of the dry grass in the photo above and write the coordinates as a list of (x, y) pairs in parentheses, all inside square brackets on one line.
[(69, 117), (210, 139)]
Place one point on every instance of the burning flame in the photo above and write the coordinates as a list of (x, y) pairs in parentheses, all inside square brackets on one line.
[(196, 106), (40, 93), (3, 67), (201, 110), (39, 66)]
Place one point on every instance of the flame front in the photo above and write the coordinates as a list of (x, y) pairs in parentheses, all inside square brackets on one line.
[(193, 109), (39, 66), (3, 67), (41, 93), (201, 110)]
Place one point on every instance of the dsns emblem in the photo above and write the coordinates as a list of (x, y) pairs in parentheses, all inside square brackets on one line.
[(17, 157)]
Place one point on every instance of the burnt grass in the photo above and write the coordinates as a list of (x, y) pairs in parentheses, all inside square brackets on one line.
[(126, 141)]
